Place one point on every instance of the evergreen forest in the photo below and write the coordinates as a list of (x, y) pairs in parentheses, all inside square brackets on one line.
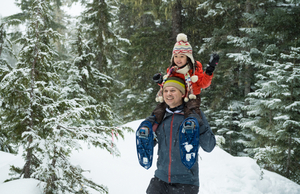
[(67, 79)]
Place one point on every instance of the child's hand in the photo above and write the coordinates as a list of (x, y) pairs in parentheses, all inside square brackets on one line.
[(213, 61), (158, 78)]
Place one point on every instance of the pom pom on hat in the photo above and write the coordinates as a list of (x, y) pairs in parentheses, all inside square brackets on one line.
[(194, 78), (192, 96), (160, 99), (181, 37), (186, 99), (156, 99)]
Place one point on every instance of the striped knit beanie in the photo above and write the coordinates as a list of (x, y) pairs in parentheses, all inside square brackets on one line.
[(182, 46), (177, 83)]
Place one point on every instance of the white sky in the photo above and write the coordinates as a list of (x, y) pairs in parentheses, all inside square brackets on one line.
[(8, 7)]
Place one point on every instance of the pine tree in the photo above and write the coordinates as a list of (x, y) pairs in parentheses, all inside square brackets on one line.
[(260, 25), (21, 87), (51, 113), (90, 80), (289, 128), (233, 75), (5, 66), (227, 124), (267, 98), (272, 109), (100, 29), (146, 56), (99, 15)]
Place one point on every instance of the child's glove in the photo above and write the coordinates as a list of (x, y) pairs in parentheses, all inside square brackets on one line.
[(213, 61), (157, 78)]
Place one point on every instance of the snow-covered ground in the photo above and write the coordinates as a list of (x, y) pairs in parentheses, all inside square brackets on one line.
[(219, 172)]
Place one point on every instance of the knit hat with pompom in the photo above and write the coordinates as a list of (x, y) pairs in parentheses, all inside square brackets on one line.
[(182, 46), (175, 82)]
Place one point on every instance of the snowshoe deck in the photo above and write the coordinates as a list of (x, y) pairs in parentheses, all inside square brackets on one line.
[(189, 141), (144, 144)]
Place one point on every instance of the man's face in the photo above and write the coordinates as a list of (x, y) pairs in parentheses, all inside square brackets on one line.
[(172, 96)]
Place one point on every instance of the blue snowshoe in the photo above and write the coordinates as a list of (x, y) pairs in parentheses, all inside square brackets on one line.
[(189, 141), (144, 144)]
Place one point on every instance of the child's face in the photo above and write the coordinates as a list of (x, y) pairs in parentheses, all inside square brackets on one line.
[(180, 59)]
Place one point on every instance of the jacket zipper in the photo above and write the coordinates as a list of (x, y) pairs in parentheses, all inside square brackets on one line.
[(165, 135), (170, 149)]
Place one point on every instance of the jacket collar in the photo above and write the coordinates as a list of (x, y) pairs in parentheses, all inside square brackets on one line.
[(177, 109)]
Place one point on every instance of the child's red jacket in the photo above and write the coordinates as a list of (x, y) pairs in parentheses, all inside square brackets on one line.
[(203, 81)]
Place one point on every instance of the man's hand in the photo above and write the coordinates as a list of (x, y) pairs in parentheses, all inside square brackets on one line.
[(151, 119), (196, 116)]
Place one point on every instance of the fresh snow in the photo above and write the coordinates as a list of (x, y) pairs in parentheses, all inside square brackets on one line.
[(219, 172), (22, 186), (188, 147)]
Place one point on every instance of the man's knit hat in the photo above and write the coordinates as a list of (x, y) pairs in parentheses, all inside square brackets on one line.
[(175, 82), (182, 46)]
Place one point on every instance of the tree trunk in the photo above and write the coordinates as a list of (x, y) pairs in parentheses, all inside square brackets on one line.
[(247, 72), (176, 19), (247, 67), (288, 162), (1, 37), (27, 166), (53, 176), (28, 160)]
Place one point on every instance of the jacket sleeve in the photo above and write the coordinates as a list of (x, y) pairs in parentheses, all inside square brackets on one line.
[(207, 138), (204, 80)]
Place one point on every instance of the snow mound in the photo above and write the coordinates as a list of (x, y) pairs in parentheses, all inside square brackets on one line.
[(21, 186)]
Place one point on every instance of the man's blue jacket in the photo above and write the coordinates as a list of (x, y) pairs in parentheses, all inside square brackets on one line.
[(169, 166)]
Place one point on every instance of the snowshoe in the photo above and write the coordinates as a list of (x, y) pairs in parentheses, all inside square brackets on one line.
[(145, 144), (189, 141)]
